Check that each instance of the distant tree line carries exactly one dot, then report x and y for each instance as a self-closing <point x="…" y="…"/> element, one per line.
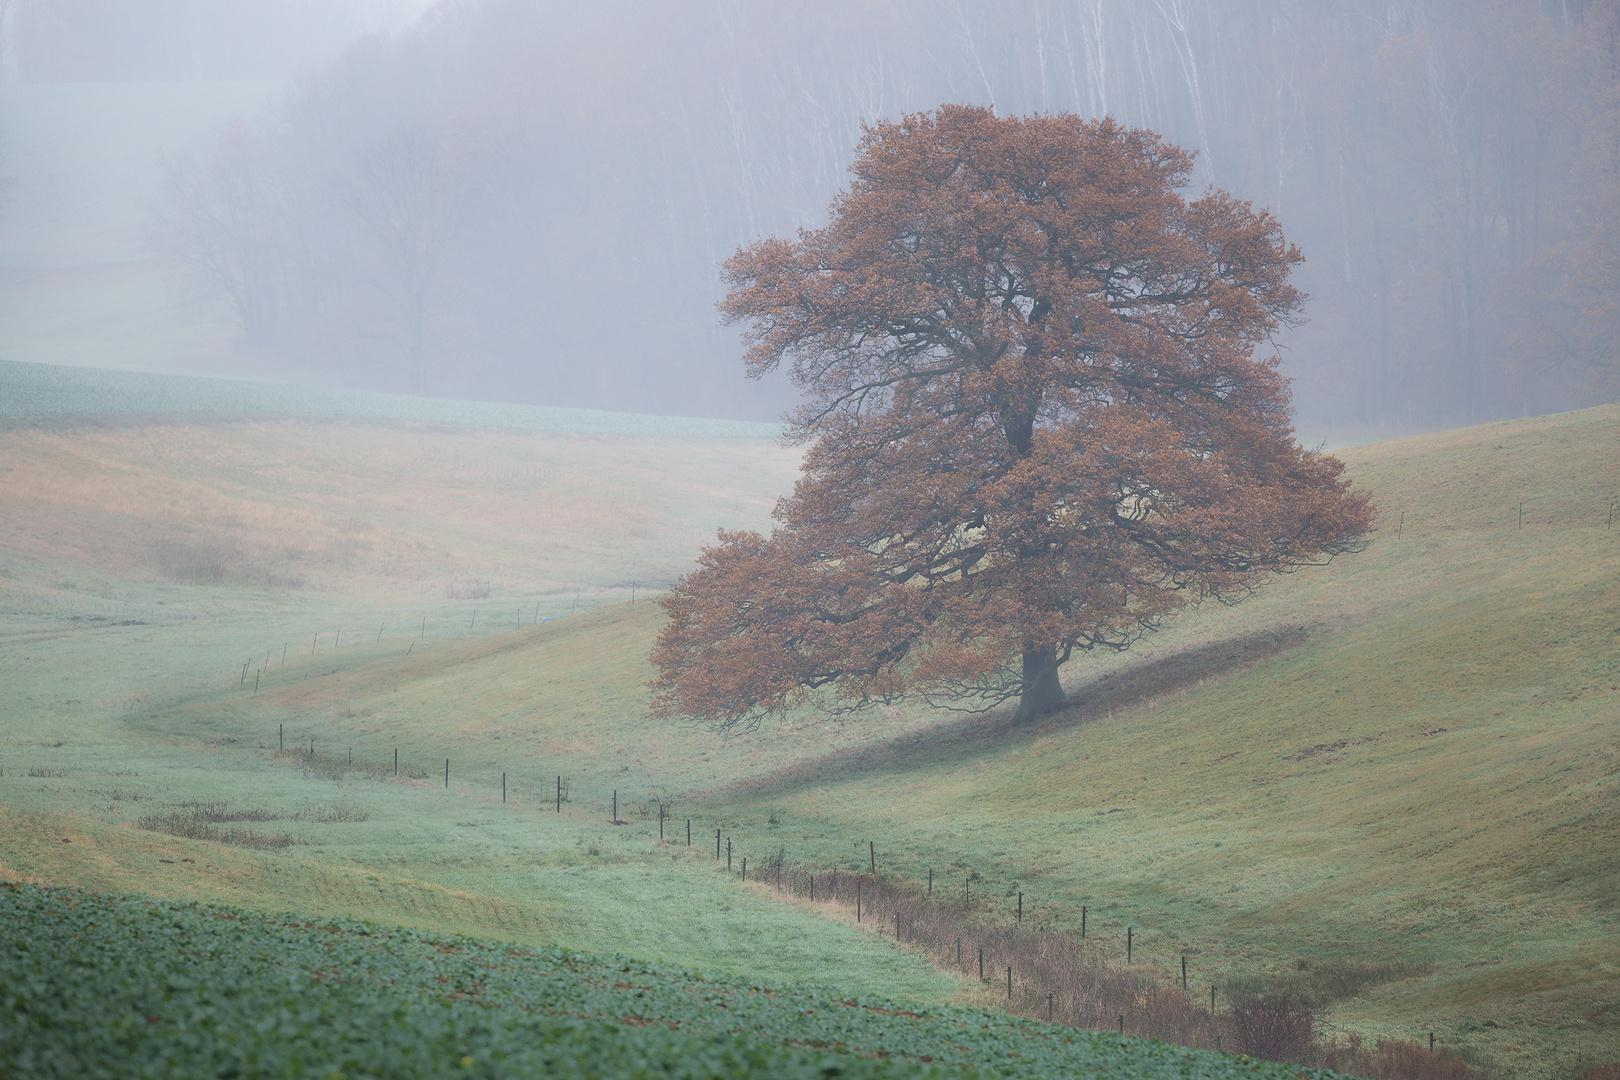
<point x="535" y="200"/>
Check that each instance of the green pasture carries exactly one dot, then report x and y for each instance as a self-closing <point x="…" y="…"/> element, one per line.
<point x="1388" y="783"/>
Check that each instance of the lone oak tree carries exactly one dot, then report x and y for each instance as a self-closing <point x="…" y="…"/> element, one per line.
<point x="1035" y="417"/>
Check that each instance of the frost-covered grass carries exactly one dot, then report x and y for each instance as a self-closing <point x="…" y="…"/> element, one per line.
<point x="1402" y="759"/>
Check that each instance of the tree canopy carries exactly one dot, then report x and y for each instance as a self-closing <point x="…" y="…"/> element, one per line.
<point x="1037" y="424"/>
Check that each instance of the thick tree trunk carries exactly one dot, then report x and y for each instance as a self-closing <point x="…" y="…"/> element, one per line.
<point x="1042" y="694"/>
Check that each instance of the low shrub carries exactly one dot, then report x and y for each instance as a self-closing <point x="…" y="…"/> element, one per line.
<point x="1277" y="1027"/>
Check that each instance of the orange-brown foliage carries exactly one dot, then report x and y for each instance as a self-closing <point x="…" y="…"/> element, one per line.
<point x="1038" y="424"/>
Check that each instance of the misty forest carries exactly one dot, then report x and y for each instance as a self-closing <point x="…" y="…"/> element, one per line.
<point x="528" y="198"/>
<point x="809" y="538"/>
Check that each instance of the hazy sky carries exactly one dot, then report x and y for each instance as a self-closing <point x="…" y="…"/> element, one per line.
<point x="130" y="40"/>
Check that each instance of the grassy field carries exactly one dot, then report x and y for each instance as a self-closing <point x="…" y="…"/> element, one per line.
<point x="145" y="563"/>
<point x="1409" y="756"/>
<point x="1402" y="765"/>
<point x="311" y="507"/>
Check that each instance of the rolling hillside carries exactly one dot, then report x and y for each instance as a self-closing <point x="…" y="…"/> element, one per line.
<point x="1402" y="765"/>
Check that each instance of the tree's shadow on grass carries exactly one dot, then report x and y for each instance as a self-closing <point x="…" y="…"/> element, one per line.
<point x="966" y="736"/>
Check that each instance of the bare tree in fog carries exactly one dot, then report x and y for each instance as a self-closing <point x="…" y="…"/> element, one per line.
<point x="224" y="222"/>
<point x="406" y="194"/>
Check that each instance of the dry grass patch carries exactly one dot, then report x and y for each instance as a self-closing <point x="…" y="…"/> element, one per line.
<point x="357" y="506"/>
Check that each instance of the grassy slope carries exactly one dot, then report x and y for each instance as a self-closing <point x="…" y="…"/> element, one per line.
<point x="371" y="511"/>
<point x="136" y="565"/>
<point x="1283" y="786"/>
<point x="1424" y="769"/>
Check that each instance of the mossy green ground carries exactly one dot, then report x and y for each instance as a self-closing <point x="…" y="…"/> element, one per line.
<point x="1406" y="757"/>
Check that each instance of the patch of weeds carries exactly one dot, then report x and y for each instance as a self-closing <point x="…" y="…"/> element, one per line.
<point x="323" y="767"/>
<point x="215" y="823"/>
<point x="118" y="794"/>
<point x="328" y="815"/>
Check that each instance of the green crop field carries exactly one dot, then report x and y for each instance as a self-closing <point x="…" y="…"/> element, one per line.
<point x="1387" y="785"/>
<point x="184" y="989"/>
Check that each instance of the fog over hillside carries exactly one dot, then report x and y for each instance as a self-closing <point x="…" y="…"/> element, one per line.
<point x="516" y="199"/>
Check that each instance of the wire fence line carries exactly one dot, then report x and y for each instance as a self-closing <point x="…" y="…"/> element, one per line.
<point x="1034" y="971"/>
